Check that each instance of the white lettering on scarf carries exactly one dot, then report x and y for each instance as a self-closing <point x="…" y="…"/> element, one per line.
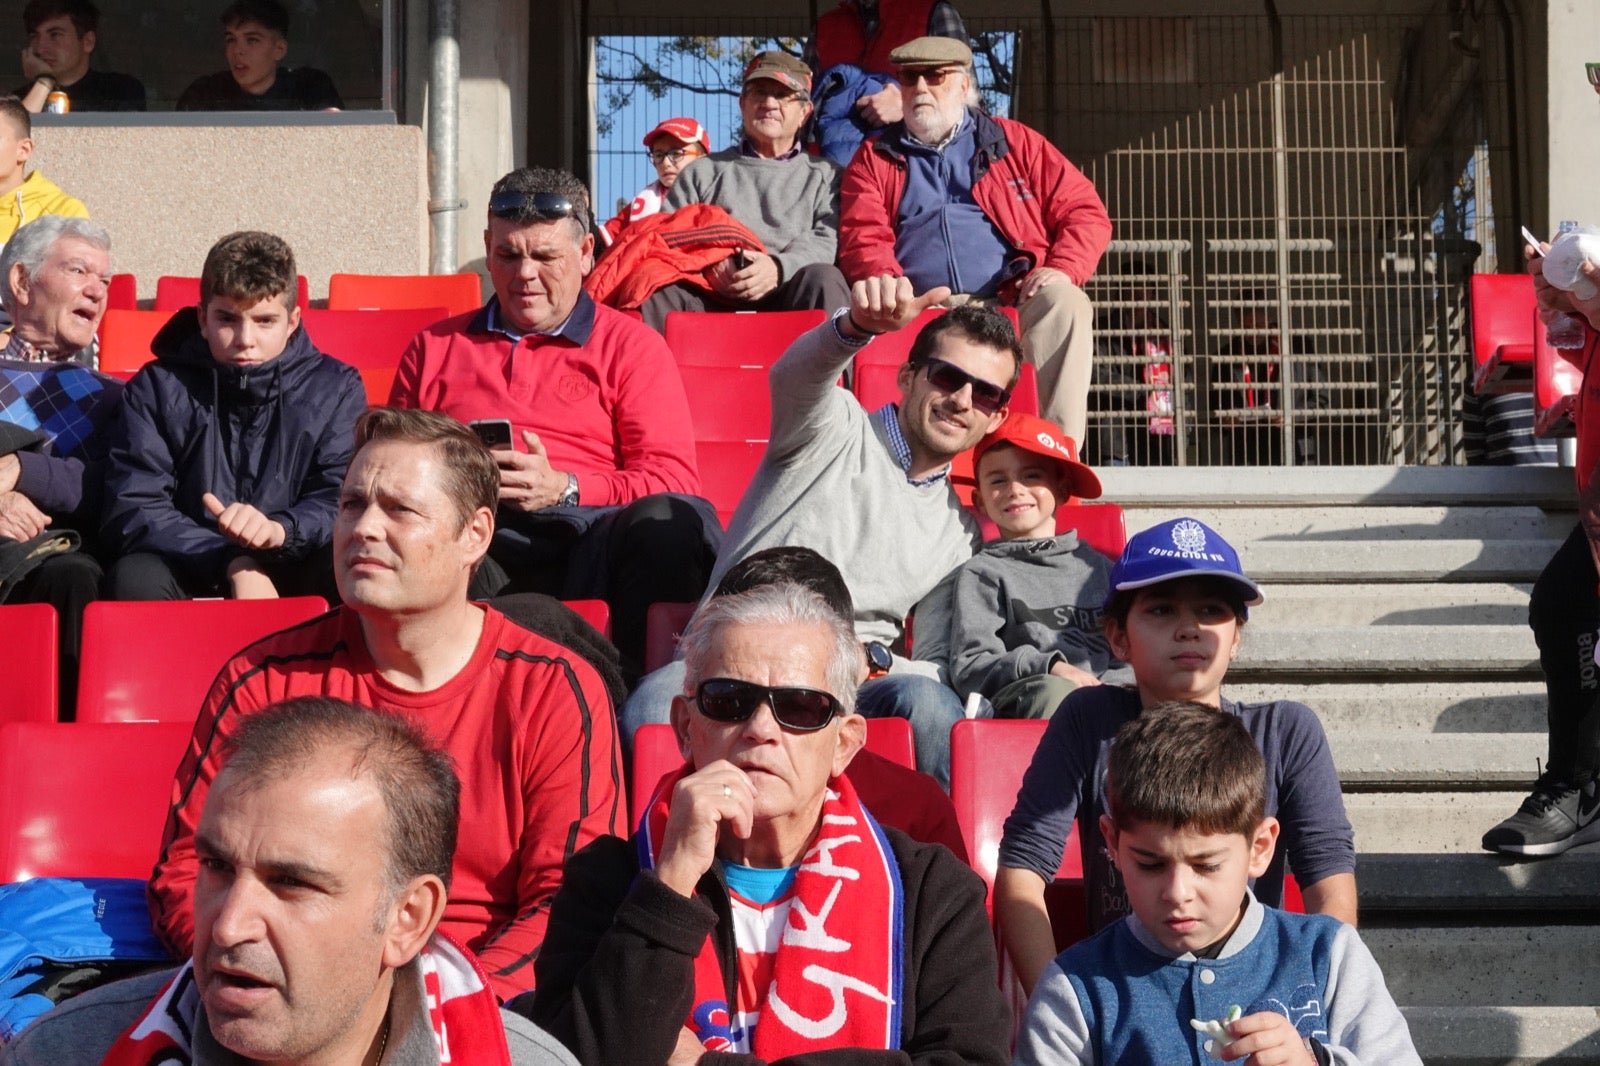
<point x="835" y="983"/>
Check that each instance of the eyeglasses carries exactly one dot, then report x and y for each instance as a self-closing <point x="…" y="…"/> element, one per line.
<point x="909" y="77"/>
<point x="947" y="377"/>
<point x="782" y="96"/>
<point x="799" y="710"/>
<point x="676" y="155"/>
<point x="536" y="206"/>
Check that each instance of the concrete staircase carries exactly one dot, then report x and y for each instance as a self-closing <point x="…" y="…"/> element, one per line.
<point x="1396" y="607"/>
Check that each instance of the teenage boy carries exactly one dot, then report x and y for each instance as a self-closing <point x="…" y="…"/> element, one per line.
<point x="225" y="471"/>
<point x="1024" y="614"/>
<point x="1178" y="602"/>
<point x="1201" y="970"/>
<point x="62" y="35"/>
<point x="25" y="195"/>
<point x="671" y="146"/>
<point x="255" y="38"/>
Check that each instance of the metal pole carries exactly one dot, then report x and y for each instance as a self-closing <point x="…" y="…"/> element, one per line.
<point x="444" y="81"/>
<point x="1280" y="192"/>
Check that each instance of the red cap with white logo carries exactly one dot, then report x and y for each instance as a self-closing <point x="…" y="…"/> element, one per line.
<point x="686" y="130"/>
<point x="1042" y="437"/>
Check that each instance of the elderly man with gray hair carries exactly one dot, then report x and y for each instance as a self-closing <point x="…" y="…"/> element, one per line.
<point x="761" y="911"/>
<point x="52" y="439"/>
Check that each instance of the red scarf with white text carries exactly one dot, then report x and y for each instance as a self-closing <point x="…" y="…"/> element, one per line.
<point x="462" y="1010"/>
<point x="838" y="973"/>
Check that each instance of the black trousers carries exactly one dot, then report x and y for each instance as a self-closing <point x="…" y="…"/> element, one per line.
<point x="659" y="548"/>
<point x="1564" y="612"/>
<point x="819" y="285"/>
<point x="69" y="583"/>
<point x="148" y="576"/>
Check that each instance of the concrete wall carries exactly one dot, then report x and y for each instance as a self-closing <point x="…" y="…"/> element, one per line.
<point x="1573" y="118"/>
<point x="347" y="198"/>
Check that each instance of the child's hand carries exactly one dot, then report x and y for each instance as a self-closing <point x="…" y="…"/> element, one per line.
<point x="1081" y="678"/>
<point x="244" y="525"/>
<point x="1267" y="1038"/>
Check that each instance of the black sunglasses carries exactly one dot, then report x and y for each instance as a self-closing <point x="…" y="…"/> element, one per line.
<point x="541" y="206"/>
<point x="799" y="710"/>
<point x="947" y="377"/>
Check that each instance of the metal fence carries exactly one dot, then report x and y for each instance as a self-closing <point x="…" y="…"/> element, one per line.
<point x="1296" y="210"/>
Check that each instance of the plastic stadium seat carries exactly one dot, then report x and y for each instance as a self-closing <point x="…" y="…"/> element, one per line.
<point x="378" y="381"/>
<point x="728" y="403"/>
<point x="456" y="293"/>
<point x="174" y="293"/>
<point x="125" y="338"/>
<point x="726" y="468"/>
<point x="1556" y="381"/>
<point x="710" y="338"/>
<point x="1504" y="319"/>
<point x="655" y="754"/>
<point x="28" y="634"/>
<point x="155" y="661"/>
<point x="122" y="293"/>
<point x="663" y="625"/>
<point x="82" y="800"/>
<point x="596" y="612"/>
<point x="368" y="339"/>
<point x="988" y="757"/>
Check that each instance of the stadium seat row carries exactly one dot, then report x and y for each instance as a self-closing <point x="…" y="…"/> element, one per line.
<point x="1510" y="353"/>
<point x="457" y="293"/>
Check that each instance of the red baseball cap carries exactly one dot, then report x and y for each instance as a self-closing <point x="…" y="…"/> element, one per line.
<point x="686" y="130"/>
<point x="1042" y="437"/>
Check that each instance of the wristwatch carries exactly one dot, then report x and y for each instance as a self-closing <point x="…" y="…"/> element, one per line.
<point x="878" y="658"/>
<point x="569" y="498"/>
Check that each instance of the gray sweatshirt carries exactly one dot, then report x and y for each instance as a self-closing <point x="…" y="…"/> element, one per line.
<point x="1016" y="609"/>
<point x="828" y="481"/>
<point x="791" y="204"/>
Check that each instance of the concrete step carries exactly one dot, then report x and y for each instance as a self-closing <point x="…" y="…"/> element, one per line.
<point x="1366" y="603"/>
<point x="1451" y="706"/>
<point x="1504" y="1036"/>
<point x="1338" y="486"/>
<point x="1532" y="966"/>
<point x="1317" y="524"/>
<point x="1383" y="762"/>
<point x="1457" y="560"/>
<point x="1397" y="888"/>
<point x="1388" y="652"/>
<point x="1423" y="823"/>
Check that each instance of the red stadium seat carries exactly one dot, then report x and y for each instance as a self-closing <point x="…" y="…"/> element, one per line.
<point x="732" y="414"/>
<point x="1556" y="381"/>
<point x="456" y="293"/>
<point x="378" y="381"/>
<point x="726" y="468"/>
<point x="125" y="338"/>
<point x="82" y="800"/>
<point x="122" y="293"/>
<point x="28" y="634"/>
<point x="701" y="338"/>
<point x="890" y="738"/>
<point x="1504" y="319"/>
<point x="155" y="661"/>
<point x="174" y="293"/>
<point x="596" y="612"/>
<point x="368" y="339"/>
<point x="663" y="625"/>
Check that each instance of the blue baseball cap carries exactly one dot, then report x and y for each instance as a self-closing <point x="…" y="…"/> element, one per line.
<point x="1183" y="547"/>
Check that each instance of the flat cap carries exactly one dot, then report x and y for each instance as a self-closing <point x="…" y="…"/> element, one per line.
<point x="780" y="67"/>
<point x="932" y="52"/>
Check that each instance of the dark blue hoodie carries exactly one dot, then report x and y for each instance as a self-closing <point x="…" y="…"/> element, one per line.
<point x="278" y="436"/>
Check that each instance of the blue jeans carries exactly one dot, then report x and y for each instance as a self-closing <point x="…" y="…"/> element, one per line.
<point x="649" y="702"/>
<point x="930" y="707"/>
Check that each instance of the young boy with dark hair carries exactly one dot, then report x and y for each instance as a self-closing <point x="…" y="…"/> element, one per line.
<point x="225" y="471"/>
<point x="1201" y="970"/>
<point x="255" y="38"/>
<point x="1024" y="616"/>
<point x="62" y="36"/>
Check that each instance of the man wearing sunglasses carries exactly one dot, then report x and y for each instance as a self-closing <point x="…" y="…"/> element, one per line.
<point x="599" y="492"/>
<point x="761" y="911"/>
<point x="986" y="207"/>
<point x="768" y="183"/>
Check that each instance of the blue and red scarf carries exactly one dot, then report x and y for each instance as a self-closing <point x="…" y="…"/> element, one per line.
<point x="838" y="976"/>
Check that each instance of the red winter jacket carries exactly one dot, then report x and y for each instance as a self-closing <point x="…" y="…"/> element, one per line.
<point x="661" y="249"/>
<point x="841" y="36"/>
<point x="1043" y="205"/>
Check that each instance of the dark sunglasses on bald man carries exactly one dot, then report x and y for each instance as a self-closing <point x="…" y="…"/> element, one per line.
<point x="799" y="710"/>
<point x="535" y="206"/>
<point x="907" y="76"/>
<point x="947" y="377"/>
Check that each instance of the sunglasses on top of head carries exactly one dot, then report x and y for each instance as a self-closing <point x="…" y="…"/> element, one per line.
<point x="536" y="207"/>
<point x="947" y="377"/>
<point x="799" y="710"/>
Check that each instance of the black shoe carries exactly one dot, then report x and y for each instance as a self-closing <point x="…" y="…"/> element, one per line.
<point x="1555" y="816"/>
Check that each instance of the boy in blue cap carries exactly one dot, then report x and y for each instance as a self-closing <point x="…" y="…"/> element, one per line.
<point x="1177" y="604"/>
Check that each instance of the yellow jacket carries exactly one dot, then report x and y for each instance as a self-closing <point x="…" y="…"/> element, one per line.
<point x="37" y="195"/>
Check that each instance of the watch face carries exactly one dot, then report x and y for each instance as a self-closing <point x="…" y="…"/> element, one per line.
<point x="878" y="657"/>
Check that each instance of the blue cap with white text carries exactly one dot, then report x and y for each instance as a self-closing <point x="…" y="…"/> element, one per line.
<point x="1183" y="547"/>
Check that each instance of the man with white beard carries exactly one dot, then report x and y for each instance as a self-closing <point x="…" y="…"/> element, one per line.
<point x="986" y="206"/>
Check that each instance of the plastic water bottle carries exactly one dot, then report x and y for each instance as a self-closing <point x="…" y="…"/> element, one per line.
<point x="1566" y="331"/>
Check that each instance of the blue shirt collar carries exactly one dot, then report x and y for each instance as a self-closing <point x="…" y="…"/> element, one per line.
<point x="578" y="327"/>
<point x="901" y="450"/>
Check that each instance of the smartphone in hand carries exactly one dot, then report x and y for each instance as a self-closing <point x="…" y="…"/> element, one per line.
<point x="494" y="432"/>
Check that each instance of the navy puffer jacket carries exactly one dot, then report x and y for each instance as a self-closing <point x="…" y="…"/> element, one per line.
<point x="277" y="436"/>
